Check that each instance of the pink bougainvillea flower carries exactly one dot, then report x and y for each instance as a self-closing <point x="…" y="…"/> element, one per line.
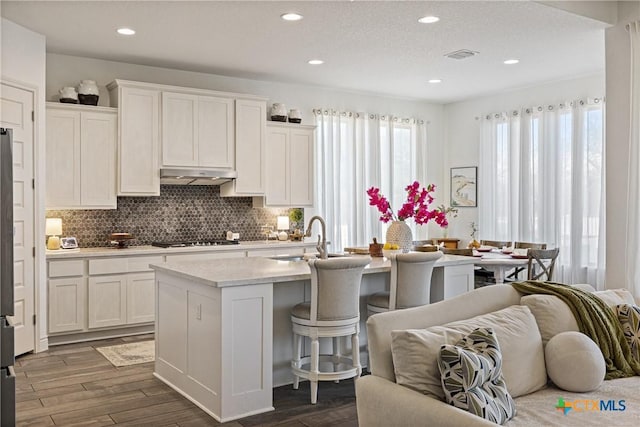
<point x="416" y="205"/>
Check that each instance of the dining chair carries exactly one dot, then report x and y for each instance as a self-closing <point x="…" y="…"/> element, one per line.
<point x="541" y="263"/>
<point x="528" y="245"/>
<point x="333" y="312"/>
<point x="409" y="282"/>
<point x="495" y="243"/>
<point x="523" y="245"/>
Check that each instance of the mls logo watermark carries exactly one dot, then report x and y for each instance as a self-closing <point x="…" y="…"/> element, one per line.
<point x="586" y="405"/>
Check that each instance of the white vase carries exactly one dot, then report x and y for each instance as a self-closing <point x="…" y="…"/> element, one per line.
<point x="400" y="234"/>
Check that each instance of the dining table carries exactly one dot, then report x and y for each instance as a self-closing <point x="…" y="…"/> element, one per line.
<point x="499" y="263"/>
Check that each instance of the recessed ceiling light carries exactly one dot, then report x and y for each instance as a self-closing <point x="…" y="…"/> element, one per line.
<point x="428" y="19"/>
<point x="126" y="31"/>
<point x="435" y="81"/>
<point x="511" y="61"/>
<point x="316" y="61"/>
<point x="291" y="16"/>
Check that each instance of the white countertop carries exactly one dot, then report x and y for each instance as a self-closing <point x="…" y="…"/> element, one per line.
<point x="249" y="271"/>
<point x="153" y="250"/>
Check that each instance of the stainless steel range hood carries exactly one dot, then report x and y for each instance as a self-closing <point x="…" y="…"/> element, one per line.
<point x="196" y="176"/>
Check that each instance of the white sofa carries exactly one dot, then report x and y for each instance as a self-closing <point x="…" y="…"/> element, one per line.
<point x="382" y="402"/>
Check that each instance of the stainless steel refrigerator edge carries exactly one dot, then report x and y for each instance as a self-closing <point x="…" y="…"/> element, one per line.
<point x="7" y="358"/>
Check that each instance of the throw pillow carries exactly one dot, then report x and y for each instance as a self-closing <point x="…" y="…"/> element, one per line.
<point x="574" y="362"/>
<point x="471" y="375"/>
<point x="554" y="316"/>
<point x="415" y="351"/>
<point x="629" y="317"/>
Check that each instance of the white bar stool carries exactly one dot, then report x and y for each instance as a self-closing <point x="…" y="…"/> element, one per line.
<point x="409" y="285"/>
<point x="334" y="311"/>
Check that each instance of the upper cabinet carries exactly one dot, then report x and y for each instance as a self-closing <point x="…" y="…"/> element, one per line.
<point x="138" y="168"/>
<point x="81" y="155"/>
<point x="249" y="150"/>
<point x="289" y="165"/>
<point x="197" y="131"/>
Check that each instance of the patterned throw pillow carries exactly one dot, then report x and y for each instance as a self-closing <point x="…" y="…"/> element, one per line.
<point x="629" y="317"/>
<point x="471" y="375"/>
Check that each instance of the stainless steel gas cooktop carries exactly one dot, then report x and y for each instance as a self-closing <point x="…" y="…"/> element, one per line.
<point x="196" y="243"/>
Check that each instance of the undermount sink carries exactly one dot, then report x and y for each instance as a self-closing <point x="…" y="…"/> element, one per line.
<point x="305" y="257"/>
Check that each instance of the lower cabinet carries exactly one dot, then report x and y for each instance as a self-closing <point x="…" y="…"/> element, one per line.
<point x="67" y="304"/>
<point x="140" y="298"/>
<point x="107" y="301"/>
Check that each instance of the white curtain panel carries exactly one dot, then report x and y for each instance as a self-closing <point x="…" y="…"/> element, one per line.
<point x="356" y="151"/>
<point x="633" y="206"/>
<point x="542" y="180"/>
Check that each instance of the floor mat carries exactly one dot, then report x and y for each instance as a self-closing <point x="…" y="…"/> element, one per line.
<point x="129" y="354"/>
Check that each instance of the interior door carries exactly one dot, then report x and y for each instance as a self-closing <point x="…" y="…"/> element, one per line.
<point x="17" y="110"/>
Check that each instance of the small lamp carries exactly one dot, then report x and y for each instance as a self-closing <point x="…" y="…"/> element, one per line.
<point x="53" y="229"/>
<point x="283" y="225"/>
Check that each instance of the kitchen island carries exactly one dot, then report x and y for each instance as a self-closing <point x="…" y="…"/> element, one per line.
<point x="223" y="329"/>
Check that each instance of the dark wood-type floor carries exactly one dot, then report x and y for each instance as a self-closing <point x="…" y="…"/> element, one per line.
<point x="74" y="385"/>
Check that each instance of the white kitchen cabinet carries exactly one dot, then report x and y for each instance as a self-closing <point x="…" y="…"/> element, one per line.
<point x="140" y="298"/>
<point x="249" y="150"/>
<point x="197" y="131"/>
<point x="289" y="165"/>
<point x="107" y="301"/>
<point x="81" y="153"/>
<point x="138" y="170"/>
<point x="67" y="303"/>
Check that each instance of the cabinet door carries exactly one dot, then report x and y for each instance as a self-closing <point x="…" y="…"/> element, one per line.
<point x="67" y="302"/>
<point x="179" y="129"/>
<point x="301" y="154"/>
<point x="140" y="298"/>
<point x="250" y="139"/>
<point x="98" y="160"/>
<point x="107" y="301"/>
<point x="63" y="159"/>
<point x="138" y="150"/>
<point x="277" y="167"/>
<point x="216" y="133"/>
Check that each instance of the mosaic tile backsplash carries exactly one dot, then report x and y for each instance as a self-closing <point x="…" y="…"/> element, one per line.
<point x="180" y="213"/>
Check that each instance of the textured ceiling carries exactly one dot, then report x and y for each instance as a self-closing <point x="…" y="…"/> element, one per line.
<point x="375" y="47"/>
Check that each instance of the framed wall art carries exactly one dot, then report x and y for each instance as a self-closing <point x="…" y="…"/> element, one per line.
<point x="464" y="189"/>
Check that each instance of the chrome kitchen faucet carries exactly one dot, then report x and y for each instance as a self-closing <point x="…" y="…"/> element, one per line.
<point x="322" y="239"/>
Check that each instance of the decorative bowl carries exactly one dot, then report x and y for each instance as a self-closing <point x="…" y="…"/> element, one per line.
<point x="120" y="239"/>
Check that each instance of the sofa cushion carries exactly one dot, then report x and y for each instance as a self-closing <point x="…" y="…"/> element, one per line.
<point x="554" y="316"/>
<point x="415" y="351"/>
<point x="471" y="375"/>
<point x="574" y="362"/>
<point x="629" y="317"/>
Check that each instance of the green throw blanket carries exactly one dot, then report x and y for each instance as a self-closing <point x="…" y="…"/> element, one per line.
<point x="596" y="320"/>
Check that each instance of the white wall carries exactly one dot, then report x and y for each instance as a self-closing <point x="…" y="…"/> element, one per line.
<point x="618" y="53"/>
<point x="462" y="131"/>
<point x="23" y="62"/>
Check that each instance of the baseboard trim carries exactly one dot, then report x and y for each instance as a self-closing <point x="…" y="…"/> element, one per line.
<point x="99" y="335"/>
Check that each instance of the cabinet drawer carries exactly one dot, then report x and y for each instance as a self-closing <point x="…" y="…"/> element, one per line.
<point x="142" y="263"/>
<point x="66" y="268"/>
<point x="108" y="266"/>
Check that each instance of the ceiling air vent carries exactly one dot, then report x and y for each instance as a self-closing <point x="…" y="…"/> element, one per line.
<point x="461" y="54"/>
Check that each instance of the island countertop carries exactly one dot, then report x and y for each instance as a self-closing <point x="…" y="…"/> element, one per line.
<point x="250" y="271"/>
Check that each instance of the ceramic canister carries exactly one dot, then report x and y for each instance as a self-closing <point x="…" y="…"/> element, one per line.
<point x="295" y="116"/>
<point x="278" y="112"/>
<point x="88" y="87"/>
<point x="88" y="93"/>
<point x="68" y="95"/>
